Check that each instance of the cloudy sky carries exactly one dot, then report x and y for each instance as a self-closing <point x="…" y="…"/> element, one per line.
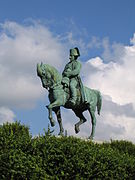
<point x="45" y="30"/>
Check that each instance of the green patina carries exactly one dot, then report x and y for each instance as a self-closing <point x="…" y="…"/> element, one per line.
<point x="68" y="91"/>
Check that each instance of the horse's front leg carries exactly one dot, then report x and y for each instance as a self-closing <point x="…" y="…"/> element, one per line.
<point x="51" y="117"/>
<point x="49" y="107"/>
<point x="58" y="114"/>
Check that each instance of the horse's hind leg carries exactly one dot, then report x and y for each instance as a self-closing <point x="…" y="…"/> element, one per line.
<point x="50" y="117"/>
<point x="93" y="119"/>
<point x="58" y="114"/>
<point x="82" y="120"/>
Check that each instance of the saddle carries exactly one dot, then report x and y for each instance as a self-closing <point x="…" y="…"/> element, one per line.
<point x="65" y="82"/>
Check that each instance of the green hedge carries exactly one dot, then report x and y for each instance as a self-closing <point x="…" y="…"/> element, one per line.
<point x="50" y="157"/>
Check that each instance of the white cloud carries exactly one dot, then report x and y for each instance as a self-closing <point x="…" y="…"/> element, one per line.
<point x="6" y="115"/>
<point x="132" y="40"/>
<point x="113" y="78"/>
<point x="94" y="43"/>
<point x="110" y="126"/>
<point x="72" y="40"/>
<point x="21" y="47"/>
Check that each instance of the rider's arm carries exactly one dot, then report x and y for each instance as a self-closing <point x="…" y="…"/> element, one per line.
<point x="75" y="71"/>
<point x="66" y="69"/>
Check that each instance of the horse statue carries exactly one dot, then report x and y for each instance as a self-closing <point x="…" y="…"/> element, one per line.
<point x="59" y="96"/>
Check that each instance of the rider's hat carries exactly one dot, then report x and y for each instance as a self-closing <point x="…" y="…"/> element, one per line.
<point x="75" y="52"/>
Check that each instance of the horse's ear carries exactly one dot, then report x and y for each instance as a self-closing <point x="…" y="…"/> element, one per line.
<point x="39" y="70"/>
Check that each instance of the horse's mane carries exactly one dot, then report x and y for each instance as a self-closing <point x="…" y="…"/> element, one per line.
<point x="55" y="75"/>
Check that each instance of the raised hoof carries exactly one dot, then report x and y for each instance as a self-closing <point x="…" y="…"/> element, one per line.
<point x="77" y="129"/>
<point x="71" y="102"/>
<point x="52" y="123"/>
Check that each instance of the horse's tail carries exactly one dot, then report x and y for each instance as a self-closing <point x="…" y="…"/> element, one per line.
<point x="99" y="102"/>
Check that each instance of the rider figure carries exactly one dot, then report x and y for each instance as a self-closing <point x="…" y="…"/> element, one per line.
<point x="71" y="74"/>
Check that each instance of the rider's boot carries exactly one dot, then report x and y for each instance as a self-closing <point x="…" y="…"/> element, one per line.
<point x="72" y="101"/>
<point x="73" y="98"/>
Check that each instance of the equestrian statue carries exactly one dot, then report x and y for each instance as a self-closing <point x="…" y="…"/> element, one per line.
<point x="68" y="91"/>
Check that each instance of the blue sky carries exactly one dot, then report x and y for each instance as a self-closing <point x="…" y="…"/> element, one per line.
<point x="114" y="19"/>
<point x="104" y="32"/>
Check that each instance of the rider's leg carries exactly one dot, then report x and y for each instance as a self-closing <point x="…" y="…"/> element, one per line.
<point x="73" y="84"/>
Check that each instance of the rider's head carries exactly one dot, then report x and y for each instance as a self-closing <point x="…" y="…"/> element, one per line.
<point x="74" y="54"/>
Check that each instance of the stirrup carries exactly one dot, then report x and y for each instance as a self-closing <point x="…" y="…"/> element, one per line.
<point x="72" y="101"/>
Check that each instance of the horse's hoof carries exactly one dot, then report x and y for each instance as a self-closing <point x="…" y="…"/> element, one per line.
<point x="77" y="129"/>
<point x="52" y="123"/>
<point x="60" y="134"/>
<point x="90" y="138"/>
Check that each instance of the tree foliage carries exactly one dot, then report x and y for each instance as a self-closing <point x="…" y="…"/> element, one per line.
<point x="50" y="157"/>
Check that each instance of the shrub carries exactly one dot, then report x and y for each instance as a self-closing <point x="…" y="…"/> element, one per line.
<point x="50" y="157"/>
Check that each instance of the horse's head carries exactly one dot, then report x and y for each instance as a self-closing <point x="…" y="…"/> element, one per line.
<point x="49" y="75"/>
<point x="45" y="76"/>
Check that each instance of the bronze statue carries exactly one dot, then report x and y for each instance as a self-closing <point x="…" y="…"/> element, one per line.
<point x="68" y="91"/>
